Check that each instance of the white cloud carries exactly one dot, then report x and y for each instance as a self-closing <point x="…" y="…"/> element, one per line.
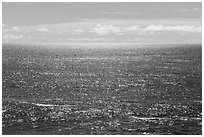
<point x="42" y="29"/>
<point x="12" y="36"/>
<point x="118" y="12"/>
<point x="77" y="31"/>
<point x="133" y="28"/>
<point x="29" y="37"/>
<point x="4" y="25"/>
<point x="15" y="28"/>
<point x="106" y="29"/>
<point x="154" y="28"/>
<point x="121" y="13"/>
<point x="197" y="9"/>
<point x="185" y="28"/>
<point x="89" y="39"/>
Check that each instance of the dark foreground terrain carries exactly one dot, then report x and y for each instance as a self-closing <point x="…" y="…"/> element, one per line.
<point x="67" y="90"/>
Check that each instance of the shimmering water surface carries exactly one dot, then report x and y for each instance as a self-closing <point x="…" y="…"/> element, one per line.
<point x="77" y="90"/>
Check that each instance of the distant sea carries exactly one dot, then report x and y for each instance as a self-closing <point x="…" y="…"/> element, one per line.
<point x="100" y="89"/>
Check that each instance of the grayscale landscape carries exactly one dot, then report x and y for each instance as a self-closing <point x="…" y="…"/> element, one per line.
<point x="109" y="69"/>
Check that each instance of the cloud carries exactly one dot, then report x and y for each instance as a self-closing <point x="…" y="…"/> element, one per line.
<point x="154" y="28"/>
<point x="121" y="13"/>
<point x="185" y="28"/>
<point x="103" y="30"/>
<point x="89" y="39"/>
<point x="133" y="28"/>
<point x="12" y="36"/>
<point x="77" y="31"/>
<point x="4" y="25"/>
<point x="197" y="9"/>
<point x="42" y="29"/>
<point x="15" y="28"/>
<point x="106" y="29"/>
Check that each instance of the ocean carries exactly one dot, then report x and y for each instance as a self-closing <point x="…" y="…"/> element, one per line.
<point x="84" y="90"/>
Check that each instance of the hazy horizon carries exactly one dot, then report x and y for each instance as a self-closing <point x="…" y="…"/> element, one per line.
<point x="102" y="22"/>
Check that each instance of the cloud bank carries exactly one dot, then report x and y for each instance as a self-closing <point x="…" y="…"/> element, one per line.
<point x="185" y="28"/>
<point x="107" y="30"/>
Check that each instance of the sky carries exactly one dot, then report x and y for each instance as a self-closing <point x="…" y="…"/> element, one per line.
<point x="126" y="22"/>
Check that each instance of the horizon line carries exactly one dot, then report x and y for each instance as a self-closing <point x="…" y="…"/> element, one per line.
<point x="94" y="43"/>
